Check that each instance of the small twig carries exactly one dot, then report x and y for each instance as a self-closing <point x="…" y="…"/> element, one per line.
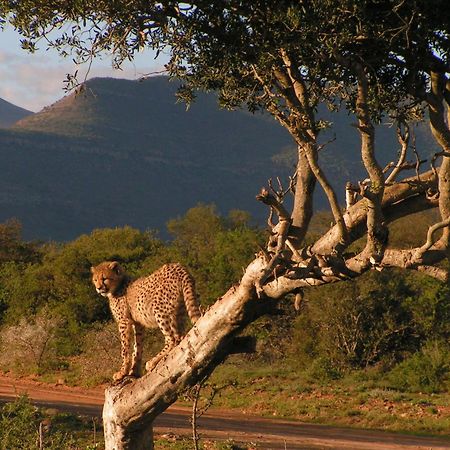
<point x="95" y="432"/>
<point x="149" y="74"/>
<point x="268" y="199"/>
<point x="41" y="436"/>
<point x="195" y="437"/>
<point x="418" y="160"/>
<point x="322" y="146"/>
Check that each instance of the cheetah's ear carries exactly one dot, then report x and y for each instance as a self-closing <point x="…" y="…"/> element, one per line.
<point x="92" y="269"/>
<point x="115" y="266"/>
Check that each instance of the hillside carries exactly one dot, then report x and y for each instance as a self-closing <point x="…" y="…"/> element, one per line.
<point x="124" y="152"/>
<point x="9" y="113"/>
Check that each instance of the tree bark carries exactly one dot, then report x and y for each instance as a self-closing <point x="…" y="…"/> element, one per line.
<point x="303" y="200"/>
<point x="394" y="196"/>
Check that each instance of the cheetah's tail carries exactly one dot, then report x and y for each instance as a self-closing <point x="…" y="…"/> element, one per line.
<point x="190" y="298"/>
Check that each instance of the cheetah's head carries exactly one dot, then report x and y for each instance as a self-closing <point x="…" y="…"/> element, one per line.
<point x="107" y="277"/>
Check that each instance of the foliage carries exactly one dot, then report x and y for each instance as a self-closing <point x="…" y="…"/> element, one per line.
<point x="226" y="44"/>
<point x="426" y="371"/>
<point x="29" y="345"/>
<point x="20" y="424"/>
<point x="61" y="280"/>
<point x="12" y="247"/>
<point x="215" y="249"/>
<point x="377" y="318"/>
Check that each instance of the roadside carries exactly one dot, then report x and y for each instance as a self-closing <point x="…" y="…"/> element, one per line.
<point x="223" y="424"/>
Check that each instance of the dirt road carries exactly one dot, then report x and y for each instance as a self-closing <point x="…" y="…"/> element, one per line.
<point x="267" y="433"/>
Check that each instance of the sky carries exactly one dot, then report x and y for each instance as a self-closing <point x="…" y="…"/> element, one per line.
<point x="33" y="81"/>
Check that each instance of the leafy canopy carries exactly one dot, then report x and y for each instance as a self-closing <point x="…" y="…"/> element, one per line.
<point x="242" y="48"/>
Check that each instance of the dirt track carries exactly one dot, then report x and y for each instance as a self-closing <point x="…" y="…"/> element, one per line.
<point x="267" y="433"/>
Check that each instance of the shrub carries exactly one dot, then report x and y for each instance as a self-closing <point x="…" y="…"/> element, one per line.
<point x="29" y="346"/>
<point x="323" y="370"/>
<point x="425" y="371"/>
<point x="379" y="317"/>
<point x="22" y="427"/>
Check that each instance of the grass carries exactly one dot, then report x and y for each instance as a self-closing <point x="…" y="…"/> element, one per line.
<point x="21" y="422"/>
<point x="360" y="399"/>
<point x="351" y="401"/>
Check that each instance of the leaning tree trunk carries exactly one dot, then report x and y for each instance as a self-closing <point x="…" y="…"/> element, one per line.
<point x="131" y="406"/>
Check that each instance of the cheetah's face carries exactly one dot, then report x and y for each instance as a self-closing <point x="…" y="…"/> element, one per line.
<point x="107" y="277"/>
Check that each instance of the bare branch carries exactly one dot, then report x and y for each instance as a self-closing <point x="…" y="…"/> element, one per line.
<point x="403" y="138"/>
<point x="376" y="233"/>
<point x="429" y="242"/>
<point x="311" y="155"/>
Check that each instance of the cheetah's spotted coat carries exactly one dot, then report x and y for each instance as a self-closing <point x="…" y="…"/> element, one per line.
<point x="152" y="301"/>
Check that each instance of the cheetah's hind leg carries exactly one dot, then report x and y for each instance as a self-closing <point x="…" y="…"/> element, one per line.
<point x="170" y="343"/>
<point x="167" y="323"/>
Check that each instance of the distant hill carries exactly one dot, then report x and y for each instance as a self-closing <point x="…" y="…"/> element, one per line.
<point x="124" y="152"/>
<point x="9" y="113"/>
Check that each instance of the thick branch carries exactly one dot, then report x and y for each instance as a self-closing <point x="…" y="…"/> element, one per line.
<point x="436" y="108"/>
<point x="376" y="233"/>
<point x="300" y="90"/>
<point x="310" y="151"/>
<point x="355" y="216"/>
<point x="303" y="199"/>
<point x="441" y="132"/>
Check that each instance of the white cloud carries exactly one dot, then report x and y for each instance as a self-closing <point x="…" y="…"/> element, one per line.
<point x="33" y="81"/>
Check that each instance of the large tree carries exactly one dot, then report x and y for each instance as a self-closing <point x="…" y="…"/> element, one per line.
<point x="380" y="59"/>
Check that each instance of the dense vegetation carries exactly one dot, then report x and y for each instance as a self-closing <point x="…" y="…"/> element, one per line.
<point x="52" y="322"/>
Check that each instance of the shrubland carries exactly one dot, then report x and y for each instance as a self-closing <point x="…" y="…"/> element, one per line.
<point x="383" y="337"/>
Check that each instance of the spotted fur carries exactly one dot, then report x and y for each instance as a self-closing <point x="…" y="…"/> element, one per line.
<point x="154" y="301"/>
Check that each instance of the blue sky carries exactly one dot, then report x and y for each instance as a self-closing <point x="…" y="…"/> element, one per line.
<point x="33" y="81"/>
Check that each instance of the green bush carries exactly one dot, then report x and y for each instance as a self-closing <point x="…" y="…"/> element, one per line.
<point x="323" y="370"/>
<point x="22" y="425"/>
<point x="378" y="317"/>
<point x="215" y="249"/>
<point x="425" y="371"/>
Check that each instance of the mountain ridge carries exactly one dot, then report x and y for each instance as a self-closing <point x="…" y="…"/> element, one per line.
<point x="10" y="113"/>
<point x="126" y="153"/>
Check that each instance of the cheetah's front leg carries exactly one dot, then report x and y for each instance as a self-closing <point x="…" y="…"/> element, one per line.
<point x="125" y="337"/>
<point x="137" y="350"/>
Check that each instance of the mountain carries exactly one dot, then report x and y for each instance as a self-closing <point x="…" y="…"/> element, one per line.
<point x="9" y="113"/>
<point x="124" y="152"/>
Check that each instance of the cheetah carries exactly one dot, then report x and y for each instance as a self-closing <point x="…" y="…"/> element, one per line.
<point x="152" y="301"/>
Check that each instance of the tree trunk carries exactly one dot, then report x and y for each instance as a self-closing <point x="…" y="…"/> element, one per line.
<point x="117" y="435"/>
<point x="303" y="200"/>
<point x="132" y="405"/>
